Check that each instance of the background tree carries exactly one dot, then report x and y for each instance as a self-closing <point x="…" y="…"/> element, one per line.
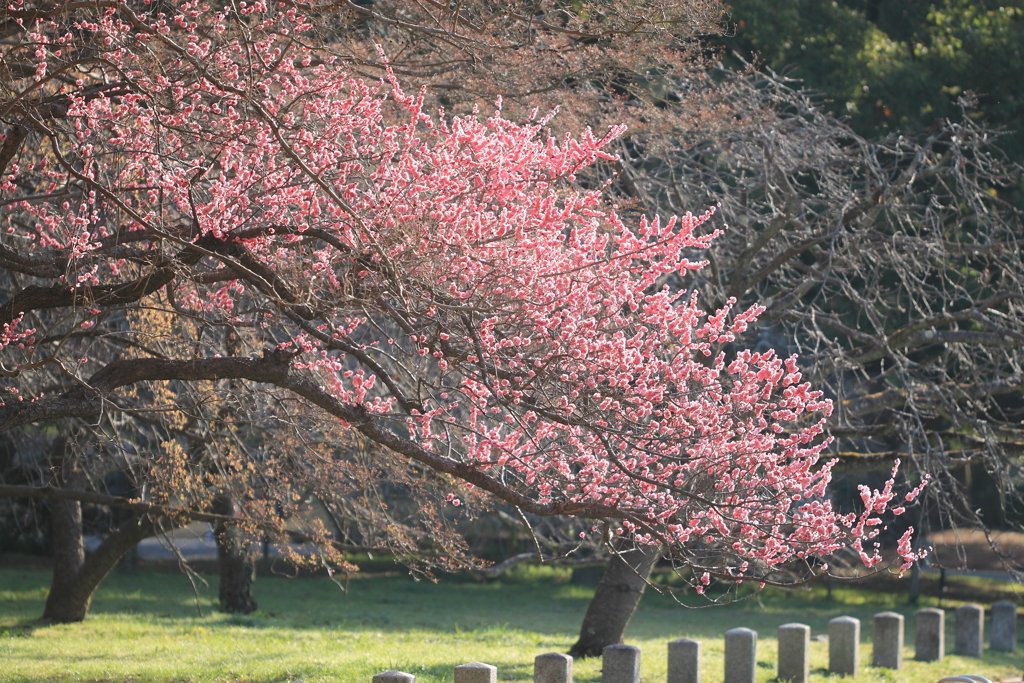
<point x="891" y="266"/>
<point x="894" y="66"/>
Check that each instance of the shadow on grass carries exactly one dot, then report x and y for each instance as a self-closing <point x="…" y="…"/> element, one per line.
<point x="385" y="604"/>
<point x="23" y="628"/>
<point x="400" y="604"/>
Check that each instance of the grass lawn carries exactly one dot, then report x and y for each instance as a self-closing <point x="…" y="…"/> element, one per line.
<point x="146" y="628"/>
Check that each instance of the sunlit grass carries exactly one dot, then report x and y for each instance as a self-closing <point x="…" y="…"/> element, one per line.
<point x="146" y="628"/>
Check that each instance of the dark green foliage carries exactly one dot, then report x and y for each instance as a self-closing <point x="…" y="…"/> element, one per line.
<point x="895" y="64"/>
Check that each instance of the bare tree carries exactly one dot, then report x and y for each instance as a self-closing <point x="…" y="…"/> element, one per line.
<point x="892" y="267"/>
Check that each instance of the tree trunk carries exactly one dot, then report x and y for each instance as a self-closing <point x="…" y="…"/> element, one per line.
<point x="237" y="557"/>
<point x="68" y="559"/>
<point x="914" y="593"/>
<point x="617" y="596"/>
<point x="66" y="538"/>
<point x="75" y="575"/>
<point x="71" y="591"/>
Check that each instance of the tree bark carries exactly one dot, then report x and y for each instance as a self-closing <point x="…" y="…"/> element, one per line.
<point x="237" y="557"/>
<point x="617" y="596"/>
<point x="65" y="537"/>
<point x="68" y="560"/>
<point x="71" y="591"/>
<point x="76" y="575"/>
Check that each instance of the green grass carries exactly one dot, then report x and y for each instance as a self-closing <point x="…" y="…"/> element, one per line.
<point x="146" y="628"/>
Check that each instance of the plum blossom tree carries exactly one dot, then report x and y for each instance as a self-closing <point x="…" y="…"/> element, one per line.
<point x="319" y="247"/>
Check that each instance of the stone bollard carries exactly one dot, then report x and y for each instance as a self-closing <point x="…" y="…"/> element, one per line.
<point x="476" y="672"/>
<point x="393" y="677"/>
<point x="930" y="635"/>
<point x="887" y="641"/>
<point x="554" y="667"/>
<point x="794" y="652"/>
<point x="970" y="630"/>
<point x="620" y="664"/>
<point x="740" y="656"/>
<point x="684" y="661"/>
<point x="1004" y="627"/>
<point x="844" y="646"/>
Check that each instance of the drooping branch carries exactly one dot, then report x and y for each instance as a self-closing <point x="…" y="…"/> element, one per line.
<point x="88" y="400"/>
<point x="370" y="426"/>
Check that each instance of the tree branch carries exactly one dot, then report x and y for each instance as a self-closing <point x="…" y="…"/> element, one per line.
<point x="169" y="511"/>
<point x="273" y="368"/>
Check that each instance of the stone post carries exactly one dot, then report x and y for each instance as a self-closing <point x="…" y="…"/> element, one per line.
<point x="476" y="672"/>
<point x="1004" y="627"/>
<point x="844" y="646"/>
<point x="684" y="661"/>
<point x="970" y="630"/>
<point x="554" y="667"/>
<point x="393" y="677"/>
<point x="794" y="652"/>
<point x="887" y="640"/>
<point x="930" y="635"/>
<point x="620" y="664"/>
<point x="741" y="656"/>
